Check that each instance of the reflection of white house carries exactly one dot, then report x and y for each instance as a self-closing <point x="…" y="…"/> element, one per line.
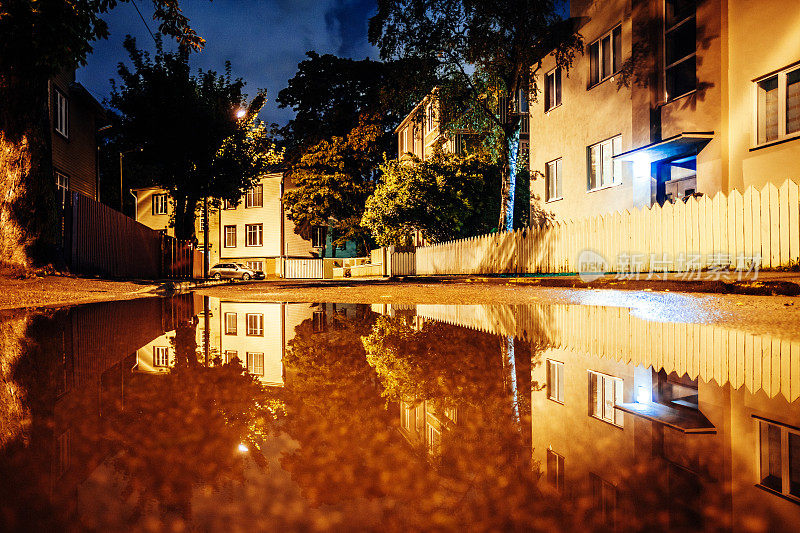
<point x="156" y="356"/>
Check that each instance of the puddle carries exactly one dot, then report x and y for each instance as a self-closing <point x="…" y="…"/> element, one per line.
<point x="205" y="414"/>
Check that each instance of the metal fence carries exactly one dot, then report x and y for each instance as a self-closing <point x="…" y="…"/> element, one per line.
<point x="740" y="231"/>
<point x="98" y="240"/>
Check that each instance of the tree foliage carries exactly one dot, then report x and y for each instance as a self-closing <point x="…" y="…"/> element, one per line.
<point x="446" y="197"/>
<point x="487" y="53"/>
<point x="188" y="130"/>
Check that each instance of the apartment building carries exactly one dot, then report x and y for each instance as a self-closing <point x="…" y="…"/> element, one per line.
<point x="670" y="98"/>
<point x="75" y="117"/>
<point x="255" y="232"/>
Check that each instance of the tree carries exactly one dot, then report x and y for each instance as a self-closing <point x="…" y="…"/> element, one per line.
<point x="488" y="53"/>
<point x="446" y="197"/>
<point x="188" y="130"/>
<point x="37" y="41"/>
<point x="345" y="115"/>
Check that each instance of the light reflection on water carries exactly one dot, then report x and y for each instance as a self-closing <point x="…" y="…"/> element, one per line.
<point x="206" y="414"/>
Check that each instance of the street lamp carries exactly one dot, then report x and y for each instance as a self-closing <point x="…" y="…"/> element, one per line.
<point x="240" y="113"/>
<point x="121" y="155"/>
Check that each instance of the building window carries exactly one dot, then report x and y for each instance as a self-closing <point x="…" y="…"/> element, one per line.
<point x="552" y="89"/>
<point x="604" y="393"/>
<point x="603" y="170"/>
<point x="255" y="325"/>
<point x="160" y="356"/>
<point x="552" y="180"/>
<point x="258" y="266"/>
<point x="61" y="114"/>
<point x="62" y="187"/>
<point x="555" y="381"/>
<point x="230" y="355"/>
<point x="680" y="48"/>
<point x="604" y="500"/>
<point x="779" y="459"/>
<point x="605" y="55"/>
<point x="230" y="236"/>
<point x="318" y="236"/>
<point x="64" y="445"/>
<point x="429" y="116"/>
<point x="778" y="116"/>
<point x="228" y="204"/>
<point x="255" y="363"/>
<point x="230" y="323"/>
<point x="406" y="417"/>
<point x="555" y="470"/>
<point x="434" y="439"/>
<point x="318" y="322"/>
<point x="160" y="203"/>
<point x="254" y="197"/>
<point x="254" y="234"/>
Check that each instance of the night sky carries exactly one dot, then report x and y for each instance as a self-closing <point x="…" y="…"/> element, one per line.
<point x="263" y="39"/>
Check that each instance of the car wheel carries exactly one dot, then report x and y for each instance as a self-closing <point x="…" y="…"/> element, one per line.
<point x="245" y="277"/>
<point x="217" y="276"/>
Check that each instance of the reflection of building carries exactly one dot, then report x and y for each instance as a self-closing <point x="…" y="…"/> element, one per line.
<point x="711" y="107"/>
<point x="422" y="424"/>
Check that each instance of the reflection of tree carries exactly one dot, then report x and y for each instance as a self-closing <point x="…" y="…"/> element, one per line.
<point x="348" y="445"/>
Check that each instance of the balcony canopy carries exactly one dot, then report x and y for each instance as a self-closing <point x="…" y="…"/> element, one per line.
<point x="679" y="145"/>
<point x="684" y="420"/>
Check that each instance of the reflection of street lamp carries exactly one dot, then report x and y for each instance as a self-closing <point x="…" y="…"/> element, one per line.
<point x="121" y="155"/>
<point x="240" y="113"/>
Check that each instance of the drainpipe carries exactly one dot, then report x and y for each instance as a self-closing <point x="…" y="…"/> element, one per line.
<point x="283" y="239"/>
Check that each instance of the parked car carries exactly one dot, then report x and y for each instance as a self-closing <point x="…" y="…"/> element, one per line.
<point x="232" y="271"/>
<point x="259" y="274"/>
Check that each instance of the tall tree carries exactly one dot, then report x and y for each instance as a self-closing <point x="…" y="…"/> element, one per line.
<point x="488" y="53"/>
<point x="37" y="41"/>
<point x="197" y="131"/>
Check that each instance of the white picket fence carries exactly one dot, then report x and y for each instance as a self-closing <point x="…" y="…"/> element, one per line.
<point x="301" y="268"/>
<point x="403" y="264"/>
<point x="740" y="231"/>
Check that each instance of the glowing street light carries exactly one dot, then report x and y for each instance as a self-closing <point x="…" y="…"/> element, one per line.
<point x="243" y="448"/>
<point x="240" y="113"/>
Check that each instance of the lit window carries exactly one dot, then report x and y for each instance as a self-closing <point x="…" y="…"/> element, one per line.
<point x="778" y="117"/>
<point x="680" y="48"/>
<point x="230" y="355"/>
<point x="779" y="461"/>
<point x="552" y="179"/>
<point x="255" y="363"/>
<point x="160" y="203"/>
<point x="160" y="356"/>
<point x="604" y="393"/>
<point x="552" y="89"/>
<point x="555" y="381"/>
<point x="255" y="325"/>
<point x="62" y="187"/>
<point x="555" y="470"/>
<point x="605" y="55"/>
<point x="61" y="114"/>
<point x="258" y="266"/>
<point x="254" y="197"/>
<point x="230" y="236"/>
<point x="603" y="170"/>
<point x="230" y="323"/>
<point x="254" y="234"/>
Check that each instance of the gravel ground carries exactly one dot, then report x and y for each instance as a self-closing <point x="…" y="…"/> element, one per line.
<point x="778" y="315"/>
<point x="61" y="290"/>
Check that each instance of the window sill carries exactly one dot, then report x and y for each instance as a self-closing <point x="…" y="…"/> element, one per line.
<point x="604" y="187"/>
<point x="787" y="497"/>
<point x="547" y="111"/>
<point x="601" y="82"/>
<point x="676" y="98"/>
<point x="253" y="206"/>
<point x="254" y="335"/>
<point x="253" y="245"/>
<point x="612" y="424"/>
<point x="555" y="401"/>
<point x="551" y="200"/>
<point x="63" y="137"/>
<point x="792" y="137"/>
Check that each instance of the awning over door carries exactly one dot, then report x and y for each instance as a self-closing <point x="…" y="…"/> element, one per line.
<point x="678" y="145"/>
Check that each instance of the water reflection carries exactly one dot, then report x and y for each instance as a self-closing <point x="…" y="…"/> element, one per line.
<point x="209" y="414"/>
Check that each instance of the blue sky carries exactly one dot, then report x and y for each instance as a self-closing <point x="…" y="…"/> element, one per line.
<point x="263" y="39"/>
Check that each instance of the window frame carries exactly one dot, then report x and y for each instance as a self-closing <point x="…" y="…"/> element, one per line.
<point x="558" y="397"/>
<point x="252" y="265"/>
<point x="316" y="235"/>
<point x="617" y="417"/>
<point x="225" y="236"/>
<point x="230" y="355"/>
<point x="158" y="352"/>
<point x="785" y="431"/>
<point x="250" y="197"/>
<point x="558" y="476"/>
<point x="615" y="180"/>
<point x="257" y="331"/>
<point x="227" y="205"/>
<point x="62" y="188"/>
<point x="558" y="92"/>
<point x="665" y="30"/>
<point x="61" y="113"/>
<point x="250" y="359"/>
<point x="160" y="204"/>
<point x="783" y="111"/>
<point x="616" y="63"/>
<point x="558" y="163"/>
<point x="260" y="233"/>
<point x="235" y="329"/>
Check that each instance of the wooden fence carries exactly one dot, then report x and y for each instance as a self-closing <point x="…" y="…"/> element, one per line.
<point x="742" y="231"/>
<point x="301" y="268"/>
<point x="403" y="264"/>
<point x="101" y="241"/>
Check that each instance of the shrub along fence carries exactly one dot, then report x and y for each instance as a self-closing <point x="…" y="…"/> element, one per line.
<point x="757" y="229"/>
<point x="102" y="241"/>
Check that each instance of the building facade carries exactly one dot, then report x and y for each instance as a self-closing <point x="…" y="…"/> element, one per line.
<point x="255" y="232"/>
<point x="669" y="99"/>
<point x="75" y="117"/>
